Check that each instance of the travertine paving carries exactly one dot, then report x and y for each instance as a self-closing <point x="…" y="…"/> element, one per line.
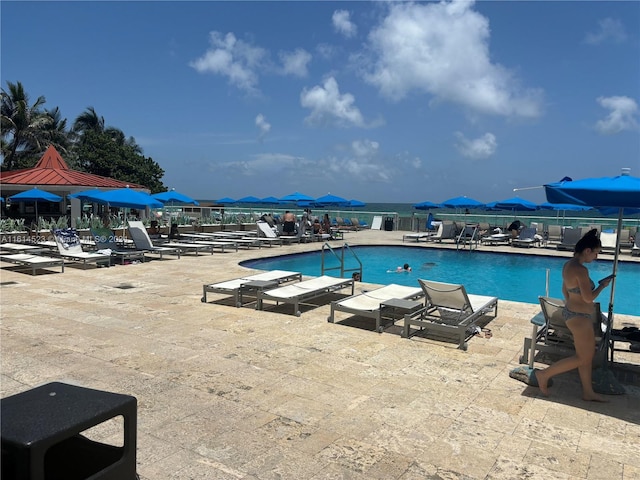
<point x="235" y="393"/>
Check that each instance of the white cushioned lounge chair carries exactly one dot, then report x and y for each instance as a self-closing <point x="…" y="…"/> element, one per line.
<point x="105" y="240"/>
<point x="70" y="249"/>
<point x="369" y="304"/>
<point x="303" y="291"/>
<point x="33" y="261"/>
<point x="236" y="286"/>
<point x="449" y="310"/>
<point x="142" y="241"/>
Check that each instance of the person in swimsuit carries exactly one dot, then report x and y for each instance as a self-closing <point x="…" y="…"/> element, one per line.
<point x="289" y="227"/>
<point x="579" y="313"/>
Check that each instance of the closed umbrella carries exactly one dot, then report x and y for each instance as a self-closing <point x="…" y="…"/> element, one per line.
<point x="35" y="195"/>
<point x="605" y="193"/>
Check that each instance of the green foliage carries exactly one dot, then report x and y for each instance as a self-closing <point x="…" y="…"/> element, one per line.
<point x="90" y="146"/>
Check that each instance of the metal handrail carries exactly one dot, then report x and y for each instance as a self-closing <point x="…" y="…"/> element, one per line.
<point x="340" y="258"/>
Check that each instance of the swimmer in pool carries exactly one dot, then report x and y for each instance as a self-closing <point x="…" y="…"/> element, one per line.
<point x="404" y="268"/>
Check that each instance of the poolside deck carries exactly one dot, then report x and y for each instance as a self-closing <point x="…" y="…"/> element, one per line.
<point x="235" y="393"/>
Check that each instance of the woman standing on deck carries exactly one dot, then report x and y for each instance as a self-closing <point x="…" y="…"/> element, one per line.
<point x="579" y="314"/>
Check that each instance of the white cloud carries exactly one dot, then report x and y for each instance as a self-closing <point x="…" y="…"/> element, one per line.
<point x="623" y="115"/>
<point x="478" y="148"/>
<point x="342" y="23"/>
<point x="263" y="126"/>
<point x="235" y="59"/>
<point x="295" y="63"/>
<point x="329" y="107"/>
<point x="443" y="49"/>
<point x="609" y="29"/>
<point x="362" y="160"/>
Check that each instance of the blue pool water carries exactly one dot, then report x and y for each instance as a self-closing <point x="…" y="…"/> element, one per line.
<point x="514" y="277"/>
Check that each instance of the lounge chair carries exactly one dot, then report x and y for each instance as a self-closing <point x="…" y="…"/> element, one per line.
<point x="371" y="304"/>
<point x="554" y="337"/>
<point x="238" y="286"/>
<point x="376" y="223"/>
<point x="570" y="237"/>
<point x="265" y="231"/>
<point x="105" y="240"/>
<point x="20" y="248"/>
<point x="554" y="233"/>
<point x="303" y="291"/>
<point x="608" y="240"/>
<point x="141" y="240"/>
<point x="635" y="250"/>
<point x="33" y="261"/>
<point x="447" y="232"/>
<point x="449" y="310"/>
<point x="625" y="239"/>
<point x="69" y="248"/>
<point x="526" y="238"/>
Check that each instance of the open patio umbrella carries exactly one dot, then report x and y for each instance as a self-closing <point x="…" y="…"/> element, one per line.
<point x="85" y="194"/>
<point x="605" y="193"/>
<point x="356" y="203"/>
<point x="330" y="200"/>
<point x="226" y="200"/>
<point x="426" y="205"/>
<point x="269" y="201"/>
<point x="126" y="198"/>
<point x="514" y="204"/>
<point x="172" y="197"/>
<point x="462" y="202"/>
<point x="35" y="195"/>
<point x="296" y="197"/>
<point x="562" y="207"/>
<point x="249" y="199"/>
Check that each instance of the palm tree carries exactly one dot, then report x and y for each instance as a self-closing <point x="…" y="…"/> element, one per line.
<point x="24" y="126"/>
<point x="57" y="133"/>
<point x="89" y="121"/>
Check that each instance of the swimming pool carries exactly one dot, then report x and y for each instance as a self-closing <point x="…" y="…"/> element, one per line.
<point x="520" y="278"/>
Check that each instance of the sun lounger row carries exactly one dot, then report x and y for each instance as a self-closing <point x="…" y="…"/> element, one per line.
<point x="447" y="309"/>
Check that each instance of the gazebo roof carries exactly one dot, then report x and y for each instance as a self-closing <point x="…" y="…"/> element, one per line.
<point x="52" y="170"/>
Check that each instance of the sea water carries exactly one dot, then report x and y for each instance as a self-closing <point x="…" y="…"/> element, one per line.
<point x="520" y="278"/>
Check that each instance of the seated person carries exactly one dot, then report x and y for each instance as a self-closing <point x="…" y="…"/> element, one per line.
<point x="289" y="223"/>
<point x="515" y="227"/>
<point x="317" y="227"/>
<point x="326" y="223"/>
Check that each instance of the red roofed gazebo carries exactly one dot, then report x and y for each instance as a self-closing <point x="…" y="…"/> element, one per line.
<point x="52" y="174"/>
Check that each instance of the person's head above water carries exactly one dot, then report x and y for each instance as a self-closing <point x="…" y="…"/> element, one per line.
<point x="404" y="268"/>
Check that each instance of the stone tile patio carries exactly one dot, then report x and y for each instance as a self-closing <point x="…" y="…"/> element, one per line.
<point x="235" y="393"/>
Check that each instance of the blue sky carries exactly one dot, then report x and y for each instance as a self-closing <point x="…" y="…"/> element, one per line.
<point x="379" y="101"/>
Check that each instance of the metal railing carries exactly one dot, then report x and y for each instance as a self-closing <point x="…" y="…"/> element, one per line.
<point x="328" y="249"/>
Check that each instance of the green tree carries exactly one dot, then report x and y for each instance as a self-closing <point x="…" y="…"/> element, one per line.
<point x="24" y="127"/>
<point x="99" y="153"/>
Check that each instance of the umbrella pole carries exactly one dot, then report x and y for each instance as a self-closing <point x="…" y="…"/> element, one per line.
<point x="613" y="283"/>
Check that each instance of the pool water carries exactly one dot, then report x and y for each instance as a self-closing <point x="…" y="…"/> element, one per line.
<point x="520" y="278"/>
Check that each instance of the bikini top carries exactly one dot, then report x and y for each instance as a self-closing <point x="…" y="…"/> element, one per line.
<point x="577" y="289"/>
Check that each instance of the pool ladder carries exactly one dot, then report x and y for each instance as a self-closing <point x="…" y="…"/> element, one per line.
<point x="340" y="256"/>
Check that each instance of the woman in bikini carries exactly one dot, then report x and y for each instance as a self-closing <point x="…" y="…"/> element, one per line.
<point x="579" y="314"/>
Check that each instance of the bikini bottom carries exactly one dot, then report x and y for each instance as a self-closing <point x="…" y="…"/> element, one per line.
<point x="569" y="314"/>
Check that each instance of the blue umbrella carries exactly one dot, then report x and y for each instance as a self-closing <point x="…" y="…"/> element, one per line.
<point x="35" y="195"/>
<point x="356" y="203"/>
<point x="296" y="197"/>
<point x="270" y="201"/>
<point x="426" y="205"/>
<point x="620" y="192"/>
<point x="85" y="194"/>
<point x="563" y="206"/>
<point x="330" y="200"/>
<point x="126" y="198"/>
<point x="249" y="199"/>
<point x="174" y="197"/>
<point x="462" y="202"/>
<point x="226" y="200"/>
<point x="513" y="204"/>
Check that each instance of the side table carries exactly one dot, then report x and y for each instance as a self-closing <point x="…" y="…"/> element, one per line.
<point x="398" y="305"/>
<point x="41" y="434"/>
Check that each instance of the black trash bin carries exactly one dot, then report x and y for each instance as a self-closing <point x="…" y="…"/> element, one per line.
<point x="388" y="224"/>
